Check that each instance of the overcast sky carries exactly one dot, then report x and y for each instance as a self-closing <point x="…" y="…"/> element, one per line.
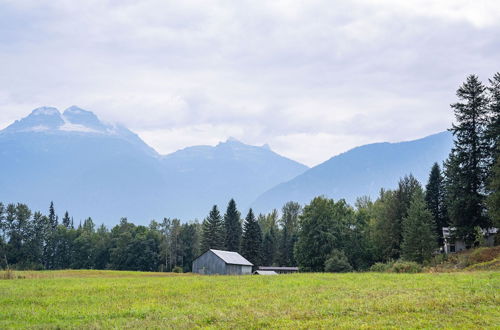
<point x="311" y="78"/>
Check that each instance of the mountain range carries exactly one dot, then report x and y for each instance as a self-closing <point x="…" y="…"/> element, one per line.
<point x="105" y="171"/>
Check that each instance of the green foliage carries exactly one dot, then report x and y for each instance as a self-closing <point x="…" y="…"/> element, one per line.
<point x="399" y="266"/>
<point x="251" y="243"/>
<point x="467" y="166"/>
<point x="324" y="224"/>
<point x="232" y="223"/>
<point x="493" y="201"/>
<point x="436" y="200"/>
<point x="289" y="223"/>
<point x="406" y="267"/>
<point x="381" y="267"/>
<point x="388" y="214"/>
<point x="177" y="269"/>
<point x="213" y="234"/>
<point x="419" y="233"/>
<point x="337" y="263"/>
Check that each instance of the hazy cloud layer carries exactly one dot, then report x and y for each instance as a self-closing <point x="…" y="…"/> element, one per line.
<point x="311" y="78"/>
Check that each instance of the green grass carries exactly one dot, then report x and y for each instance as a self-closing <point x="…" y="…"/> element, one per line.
<point x="111" y="299"/>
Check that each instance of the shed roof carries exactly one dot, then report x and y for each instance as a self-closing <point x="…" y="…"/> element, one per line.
<point x="265" y="272"/>
<point x="291" y="269"/>
<point x="233" y="258"/>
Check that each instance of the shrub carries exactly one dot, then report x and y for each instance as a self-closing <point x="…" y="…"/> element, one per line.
<point x="337" y="263"/>
<point x="177" y="269"/>
<point x="406" y="267"/>
<point x="381" y="267"/>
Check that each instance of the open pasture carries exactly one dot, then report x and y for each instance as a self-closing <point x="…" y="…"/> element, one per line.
<point x="113" y="299"/>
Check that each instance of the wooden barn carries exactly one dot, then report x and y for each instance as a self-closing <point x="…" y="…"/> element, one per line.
<point x="222" y="263"/>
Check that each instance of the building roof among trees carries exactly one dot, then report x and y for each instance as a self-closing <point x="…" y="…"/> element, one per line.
<point x="272" y="268"/>
<point x="233" y="258"/>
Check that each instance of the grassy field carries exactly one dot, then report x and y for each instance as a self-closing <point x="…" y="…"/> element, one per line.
<point x="111" y="299"/>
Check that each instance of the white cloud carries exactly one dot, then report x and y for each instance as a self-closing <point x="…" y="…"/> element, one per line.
<point x="311" y="78"/>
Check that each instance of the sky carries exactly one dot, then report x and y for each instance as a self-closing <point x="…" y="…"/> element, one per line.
<point x="310" y="78"/>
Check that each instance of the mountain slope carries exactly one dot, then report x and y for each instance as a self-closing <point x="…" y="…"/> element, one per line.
<point x="205" y="175"/>
<point x="91" y="168"/>
<point x="361" y="171"/>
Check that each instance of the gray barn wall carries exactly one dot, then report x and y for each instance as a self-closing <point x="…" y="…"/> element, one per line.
<point x="208" y="263"/>
<point x="238" y="270"/>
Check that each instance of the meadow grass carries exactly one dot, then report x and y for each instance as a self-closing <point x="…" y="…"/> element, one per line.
<point x="113" y="299"/>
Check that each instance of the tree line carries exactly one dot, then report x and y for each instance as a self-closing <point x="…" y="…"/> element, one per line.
<point x="325" y="235"/>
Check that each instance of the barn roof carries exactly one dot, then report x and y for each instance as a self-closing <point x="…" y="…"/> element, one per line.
<point x="233" y="258"/>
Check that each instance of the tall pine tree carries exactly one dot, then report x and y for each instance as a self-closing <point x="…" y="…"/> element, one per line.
<point x="435" y="199"/>
<point x="467" y="172"/>
<point x="251" y="243"/>
<point x="232" y="224"/>
<point x="213" y="231"/>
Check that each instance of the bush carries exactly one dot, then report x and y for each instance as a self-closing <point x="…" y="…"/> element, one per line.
<point x="406" y="267"/>
<point x="337" y="263"/>
<point x="381" y="267"/>
<point x="396" y="267"/>
<point x="177" y="269"/>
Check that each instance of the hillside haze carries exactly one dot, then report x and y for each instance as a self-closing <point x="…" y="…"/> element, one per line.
<point x="105" y="171"/>
<point x="361" y="171"/>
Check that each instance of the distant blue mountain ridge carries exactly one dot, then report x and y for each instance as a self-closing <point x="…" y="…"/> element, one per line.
<point x="105" y="171"/>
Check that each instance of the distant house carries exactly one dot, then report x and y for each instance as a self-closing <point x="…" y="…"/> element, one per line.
<point x="265" y="272"/>
<point x="280" y="270"/>
<point x="456" y="245"/>
<point x="222" y="262"/>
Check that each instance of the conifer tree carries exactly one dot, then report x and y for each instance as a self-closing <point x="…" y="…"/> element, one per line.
<point x="252" y="239"/>
<point x="493" y="128"/>
<point x="289" y="233"/>
<point x="269" y="247"/>
<point x="66" y="221"/>
<point x="466" y="177"/>
<point x="213" y="231"/>
<point x="494" y="197"/>
<point x="232" y="225"/>
<point x="435" y="199"/>
<point x="419" y="234"/>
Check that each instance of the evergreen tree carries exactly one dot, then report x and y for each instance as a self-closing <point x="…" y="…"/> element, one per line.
<point x="213" y="231"/>
<point x="419" y="234"/>
<point x="468" y="159"/>
<point x="493" y="128"/>
<point x="3" y="240"/>
<point x="494" y="197"/>
<point x="52" y="216"/>
<point x="251" y="243"/>
<point x="269" y="247"/>
<point x="435" y="199"/>
<point x="66" y="221"/>
<point x="289" y="223"/>
<point x="232" y="224"/>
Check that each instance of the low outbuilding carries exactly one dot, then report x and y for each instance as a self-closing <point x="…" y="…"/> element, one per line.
<point x="222" y="263"/>
<point x="280" y="270"/>
<point x="265" y="272"/>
